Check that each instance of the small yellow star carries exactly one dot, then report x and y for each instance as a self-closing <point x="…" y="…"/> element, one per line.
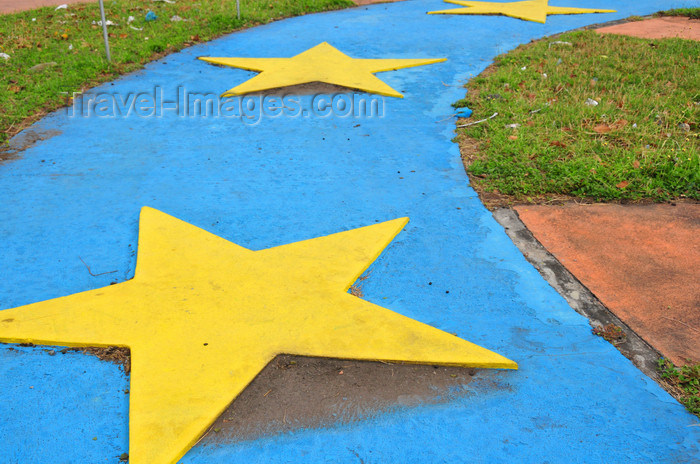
<point x="529" y="10"/>
<point x="322" y="63"/>
<point x="202" y="316"/>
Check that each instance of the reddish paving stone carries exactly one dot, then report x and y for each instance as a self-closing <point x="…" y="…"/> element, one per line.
<point x="657" y="28"/>
<point x="10" y="6"/>
<point x="642" y="262"/>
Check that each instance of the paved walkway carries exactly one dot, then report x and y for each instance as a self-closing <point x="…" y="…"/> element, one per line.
<point x="11" y="6"/>
<point x="642" y="262"/>
<point x="74" y="199"/>
<point x="657" y="28"/>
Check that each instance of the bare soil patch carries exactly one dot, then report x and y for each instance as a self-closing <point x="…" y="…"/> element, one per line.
<point x="294" y="392"/>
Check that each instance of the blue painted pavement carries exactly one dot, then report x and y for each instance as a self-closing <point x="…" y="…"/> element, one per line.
<point x="77" y="196"/>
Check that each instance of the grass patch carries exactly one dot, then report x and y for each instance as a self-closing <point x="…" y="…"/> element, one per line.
<point x="68" y="38"/>
<point x="639" y="142"/>
<point x="684" y="382"/>
<point x="692" y="13"/>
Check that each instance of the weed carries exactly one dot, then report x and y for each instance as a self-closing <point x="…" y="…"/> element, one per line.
<point x="461" y="103"/>
<point x="685" y="381"/>
<point x="692" y="13"/>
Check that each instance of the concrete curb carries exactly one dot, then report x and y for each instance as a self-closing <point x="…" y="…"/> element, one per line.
<point x="582" y="300"/>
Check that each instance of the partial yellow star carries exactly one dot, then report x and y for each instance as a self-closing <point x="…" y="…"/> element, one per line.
<point x="203" y="316"/>
<point x="529" y="10"/>
<point x="322" y="63"/>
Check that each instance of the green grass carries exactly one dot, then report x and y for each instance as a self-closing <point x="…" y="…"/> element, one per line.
<point x="45" y="35"/>
<point x="640" y="142"/>
<point x="685" y="382"/>
<point x="692" y="13"/>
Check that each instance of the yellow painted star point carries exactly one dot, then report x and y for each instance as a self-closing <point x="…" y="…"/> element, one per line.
<point x="202" y="317"/>
<point x="528" y="10"/>
<point x="322" y="63"/>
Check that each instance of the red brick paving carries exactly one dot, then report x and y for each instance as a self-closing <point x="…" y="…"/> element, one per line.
<point x="10" y="6"/>
<point x="642" y="262"/>
<point x="657" y="28"/>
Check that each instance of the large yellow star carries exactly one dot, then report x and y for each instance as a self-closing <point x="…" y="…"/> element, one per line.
<point x="529" y="10"/>
<point x="322" y="63"/>
<point x="203" y="316"/>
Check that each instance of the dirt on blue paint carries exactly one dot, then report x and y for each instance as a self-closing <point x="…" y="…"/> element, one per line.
<point x="22" y="141"/>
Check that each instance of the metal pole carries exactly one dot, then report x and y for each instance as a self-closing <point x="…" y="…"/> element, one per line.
<point x="238" y="8"/>
<point x="104" y="30"/>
